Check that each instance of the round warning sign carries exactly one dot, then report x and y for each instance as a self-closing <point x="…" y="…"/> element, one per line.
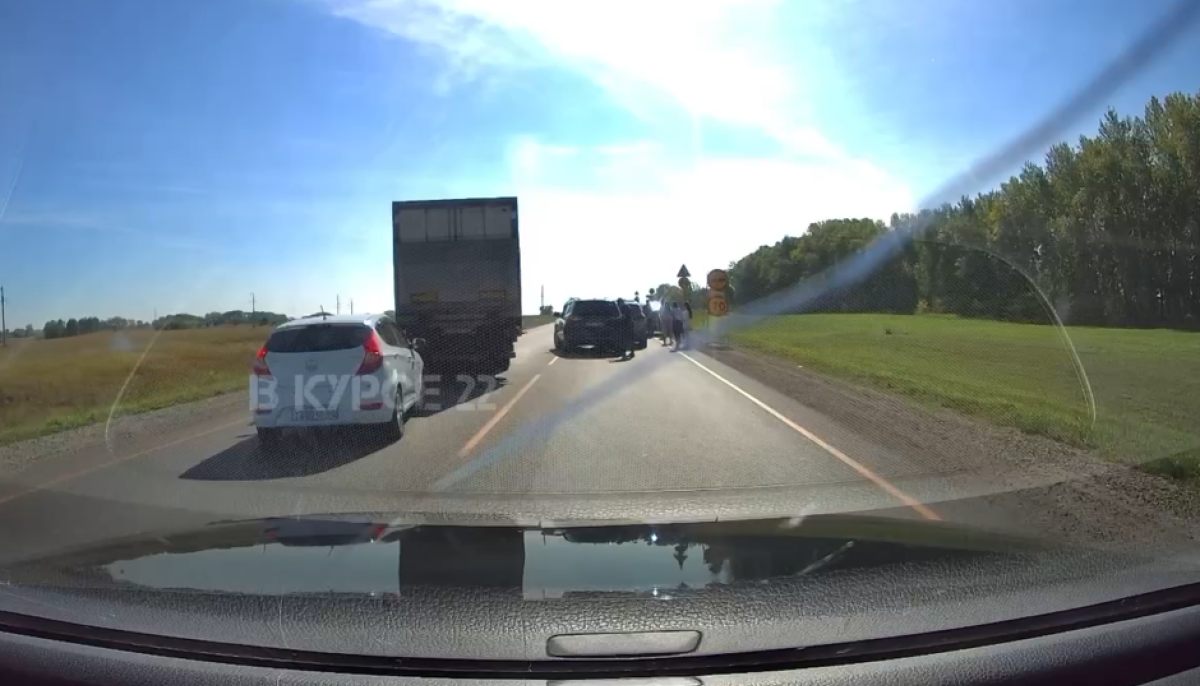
<point x="718" y="279"/>
<point x="718" y="306"/>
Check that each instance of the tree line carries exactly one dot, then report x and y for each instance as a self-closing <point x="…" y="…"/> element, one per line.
<point x="58" y="328"/>
<point x="1107" y="230"/>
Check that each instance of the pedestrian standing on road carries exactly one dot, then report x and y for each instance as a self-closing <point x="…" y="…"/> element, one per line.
<point x="678" y="314"/>
<point x="664" y="322"/>
<point x="625" y="332"/>
<point x="687" y="324"/>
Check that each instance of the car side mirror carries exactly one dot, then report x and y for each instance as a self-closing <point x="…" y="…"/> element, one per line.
<point x="418" y="344"/>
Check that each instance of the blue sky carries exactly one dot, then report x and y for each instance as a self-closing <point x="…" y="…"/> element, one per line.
<point x="178" y="155"/>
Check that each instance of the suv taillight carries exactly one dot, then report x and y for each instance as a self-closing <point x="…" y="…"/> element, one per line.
<point x="372" y="355"/>
<point x="260" y="363"/>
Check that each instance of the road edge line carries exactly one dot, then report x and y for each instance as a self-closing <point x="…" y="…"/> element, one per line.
<point x="850" y="462"/>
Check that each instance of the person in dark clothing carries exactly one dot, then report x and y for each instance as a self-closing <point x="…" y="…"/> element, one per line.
<point x="625" y="332"/>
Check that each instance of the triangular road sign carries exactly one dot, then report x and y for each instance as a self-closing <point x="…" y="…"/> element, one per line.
<point x="683" y="272"/>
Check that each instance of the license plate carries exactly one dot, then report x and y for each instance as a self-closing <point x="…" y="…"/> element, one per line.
<point x="316" y="415"/>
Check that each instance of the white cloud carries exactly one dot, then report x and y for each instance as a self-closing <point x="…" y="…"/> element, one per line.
<point x="755" y="66"/>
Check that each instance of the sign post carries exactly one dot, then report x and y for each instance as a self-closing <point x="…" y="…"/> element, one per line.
<point x="718" y="305"/>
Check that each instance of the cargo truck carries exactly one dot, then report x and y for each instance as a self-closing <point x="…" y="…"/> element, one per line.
<point x="457" y="266"/>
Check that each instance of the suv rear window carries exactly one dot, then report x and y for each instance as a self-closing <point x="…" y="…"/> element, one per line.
<point x="318" y="338"/>
<point x="595" y="308"/>
<point x="635" y="311"/>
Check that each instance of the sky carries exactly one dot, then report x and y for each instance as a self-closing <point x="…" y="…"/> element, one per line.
<point x="179" y="156"/>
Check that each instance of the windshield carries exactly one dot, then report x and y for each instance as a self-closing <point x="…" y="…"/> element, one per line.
<point x="317" y="338"/>
<point x="897" y="275"/>
<point x="594" y="308"/>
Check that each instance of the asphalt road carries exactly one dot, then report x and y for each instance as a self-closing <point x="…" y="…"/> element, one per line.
<point x="665" y="436"/>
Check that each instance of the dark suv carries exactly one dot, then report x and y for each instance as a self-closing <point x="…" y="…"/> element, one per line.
<point x="588" y="323"/>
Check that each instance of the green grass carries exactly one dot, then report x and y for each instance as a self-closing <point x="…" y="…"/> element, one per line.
<point x="49" y="386"/>
<point x="1146" y="383"/>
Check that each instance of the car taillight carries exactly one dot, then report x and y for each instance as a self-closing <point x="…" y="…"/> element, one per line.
<point x="260" y="363"/>
<point x="372" y="355"/>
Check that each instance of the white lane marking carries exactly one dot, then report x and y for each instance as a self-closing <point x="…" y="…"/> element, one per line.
<point x="552" y="360"/>
<point x="874" y="478"/>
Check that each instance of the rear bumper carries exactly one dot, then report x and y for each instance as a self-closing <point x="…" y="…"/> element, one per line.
<point x="286" y="418"/>
<point x="368" y="399"/>
<point x="600" y="337"/>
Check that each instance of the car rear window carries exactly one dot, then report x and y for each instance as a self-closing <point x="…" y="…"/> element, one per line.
<point x="595" y="308"/>
<point x="635" y="311"/>
<point x="317" y="338"/>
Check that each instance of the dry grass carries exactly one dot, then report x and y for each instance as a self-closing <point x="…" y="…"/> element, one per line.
<point x="48" y="386"/>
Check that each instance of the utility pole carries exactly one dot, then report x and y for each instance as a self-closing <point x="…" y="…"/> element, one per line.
<point x="543" y="305"/>
<point x="351" y="305"/>
<point x="253" y="312"/>
<point x="3" y="321"/>
<point x="338" y="305"/>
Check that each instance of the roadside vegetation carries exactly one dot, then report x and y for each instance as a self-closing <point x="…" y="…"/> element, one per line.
<point x="1018" y="375"/>
<point x="52" y="385"/>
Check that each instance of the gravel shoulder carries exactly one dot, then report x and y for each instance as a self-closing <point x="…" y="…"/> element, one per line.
<point x="1056" y="490"/>
<point x="124" y="435"/>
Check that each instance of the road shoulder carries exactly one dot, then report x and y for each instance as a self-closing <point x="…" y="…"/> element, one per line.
<point x="126" y="434"/>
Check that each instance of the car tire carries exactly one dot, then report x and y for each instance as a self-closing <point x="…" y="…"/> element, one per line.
<point x="268" y="438"/>
<point x="392" y="430"/>
<point x="642" y="344"/>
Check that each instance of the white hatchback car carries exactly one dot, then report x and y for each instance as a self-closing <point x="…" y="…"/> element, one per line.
<point x="335" y="370"/>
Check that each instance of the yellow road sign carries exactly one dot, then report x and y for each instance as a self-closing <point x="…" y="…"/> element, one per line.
<point x="718" y="306"/>
<point x="718" y="279"/>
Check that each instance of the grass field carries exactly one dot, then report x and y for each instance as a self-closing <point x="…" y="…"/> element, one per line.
<point x="47" y="386"/>
<point x="1146" y="383"/>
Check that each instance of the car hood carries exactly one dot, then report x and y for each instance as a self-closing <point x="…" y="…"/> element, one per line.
<point x="427" y="587"/>
<point x="351" y="553"/>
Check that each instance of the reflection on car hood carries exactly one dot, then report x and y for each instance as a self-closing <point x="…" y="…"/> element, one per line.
<point x="380" y="555"/>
